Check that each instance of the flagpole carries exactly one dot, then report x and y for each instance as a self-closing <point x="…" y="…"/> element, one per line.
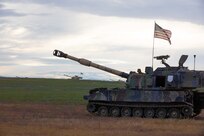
<point x="153" y="48"/>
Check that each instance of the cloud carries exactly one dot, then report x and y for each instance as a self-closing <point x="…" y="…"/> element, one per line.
<point x="183" y="10"/>
<point x="107" y="32"/>
<point x="8" y="12"/>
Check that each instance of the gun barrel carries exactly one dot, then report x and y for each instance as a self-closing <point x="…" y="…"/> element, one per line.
<point x="90" y="64"/>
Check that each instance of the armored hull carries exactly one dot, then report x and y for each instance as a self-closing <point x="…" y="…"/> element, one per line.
<point x="142" y="103"/>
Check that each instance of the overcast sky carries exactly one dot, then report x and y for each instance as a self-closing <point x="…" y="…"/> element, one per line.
<point x="115" y="33"/>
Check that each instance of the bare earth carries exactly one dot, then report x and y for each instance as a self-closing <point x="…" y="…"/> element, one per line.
<point x="73" y="120"/>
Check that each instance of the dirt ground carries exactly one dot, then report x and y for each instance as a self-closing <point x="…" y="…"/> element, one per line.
<point x="74" y="120"/>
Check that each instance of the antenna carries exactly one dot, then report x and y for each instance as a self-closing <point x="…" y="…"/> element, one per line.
<point x="194" y="61"/>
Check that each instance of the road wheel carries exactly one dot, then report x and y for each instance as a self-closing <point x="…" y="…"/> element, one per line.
<point x="161" y="113"/>
<point x="91" y="107"/>
<point x="187" y="111"/>
<point x="149" y="112"/>
<point x="103" y="111"/>
<point x="115" y="111"/>
<point x="174" y="113"/>
<point x="126" y="112"/>
<point x="137" y="112"/>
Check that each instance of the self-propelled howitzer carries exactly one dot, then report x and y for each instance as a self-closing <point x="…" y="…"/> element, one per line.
<point x="167" y="92"/>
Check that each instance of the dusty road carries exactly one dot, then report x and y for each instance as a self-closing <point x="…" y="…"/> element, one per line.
<point x="73" y="120"/>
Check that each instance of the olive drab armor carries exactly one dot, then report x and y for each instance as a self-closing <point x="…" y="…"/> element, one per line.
<point x="167" y="92"/>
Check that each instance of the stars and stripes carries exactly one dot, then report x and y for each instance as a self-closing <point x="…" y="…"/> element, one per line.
<point x="161" y="33"/>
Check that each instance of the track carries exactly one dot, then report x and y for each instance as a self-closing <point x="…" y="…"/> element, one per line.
<point x="145" y="110"/>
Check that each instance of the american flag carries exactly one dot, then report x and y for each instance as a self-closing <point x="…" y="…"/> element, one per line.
<point x="161" y="33"/>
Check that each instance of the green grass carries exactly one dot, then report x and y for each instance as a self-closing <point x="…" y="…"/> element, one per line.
<point x="55" y="91"/>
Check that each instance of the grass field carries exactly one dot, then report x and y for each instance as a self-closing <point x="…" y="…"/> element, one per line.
<point x="50" y="107"/>
<point x="55" y="91"/>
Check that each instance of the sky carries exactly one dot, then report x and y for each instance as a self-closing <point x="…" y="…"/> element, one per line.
<point x="113" y="33"/>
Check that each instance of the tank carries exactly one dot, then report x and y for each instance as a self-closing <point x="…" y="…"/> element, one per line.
<point x="167" y="92"/>
<point x="75" y="77"/>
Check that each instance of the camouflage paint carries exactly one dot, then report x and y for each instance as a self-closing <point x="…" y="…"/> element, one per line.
<point x="139" y="96"/>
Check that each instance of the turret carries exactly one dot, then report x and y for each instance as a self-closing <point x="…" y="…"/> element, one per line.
<point x="168" y="77"/>
<point x="90" y="64"/>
